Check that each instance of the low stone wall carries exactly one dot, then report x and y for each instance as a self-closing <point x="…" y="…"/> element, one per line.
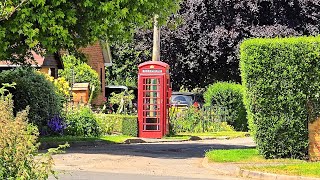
<point x="314" y="140"/>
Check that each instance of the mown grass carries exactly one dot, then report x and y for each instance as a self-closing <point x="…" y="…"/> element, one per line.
<point x="234" y="155"/>
<point x="243" y="156"/>
<point x="310" y="169"/>
<point x="109" y="139"/>
<point x="255" y="162"/>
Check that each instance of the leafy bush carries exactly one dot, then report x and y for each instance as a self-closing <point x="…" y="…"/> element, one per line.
<point x="227" y="100"/>
<point x="18" y="145"/>
<point x="195" y="120"/>
<point x="123" y="100"/>
<point x="83" y="73"/>
<point x="61" y="85"/>
<point x="116" y="123"/>
<point x="34" y="90"/>
<point x="282" y="81"/>
<point x="82" y="122"/>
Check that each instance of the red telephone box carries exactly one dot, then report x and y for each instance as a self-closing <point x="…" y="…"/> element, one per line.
<point x="154" y="93"/>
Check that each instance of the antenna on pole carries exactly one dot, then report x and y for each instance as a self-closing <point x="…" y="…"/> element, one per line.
<point x="156" y="39"/>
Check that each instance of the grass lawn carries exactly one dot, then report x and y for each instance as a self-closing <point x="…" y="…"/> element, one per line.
<point x="109" y="139"/>
<point x="242" y="156"/>
<point x="234" y="155"/>
<point x="231" y="134"/>
<point x="310" y="169"/>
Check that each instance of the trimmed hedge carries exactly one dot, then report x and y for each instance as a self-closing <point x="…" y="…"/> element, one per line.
<point x="228" y="96"/>
<point x="282" y="81"/>
<point x="130" y="126"/>
<point x="117" y="123"/>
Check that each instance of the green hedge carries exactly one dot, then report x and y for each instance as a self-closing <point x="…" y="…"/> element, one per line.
<point x="282" y="81"/>
<point x="117" y="123"/>
<point x="34" y="90"/>
<point x="227" y="100"/>
<point x="130" y="126"/>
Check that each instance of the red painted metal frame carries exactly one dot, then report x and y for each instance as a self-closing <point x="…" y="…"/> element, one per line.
<point x="156" y="125"/>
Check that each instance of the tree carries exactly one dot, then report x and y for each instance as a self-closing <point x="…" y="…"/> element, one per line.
<point x="8" y="7"/>
<point x="54" y="25"/>
<point x="202" y="45"/>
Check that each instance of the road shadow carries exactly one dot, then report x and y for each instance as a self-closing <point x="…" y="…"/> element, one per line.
<point x="181" y="150"/>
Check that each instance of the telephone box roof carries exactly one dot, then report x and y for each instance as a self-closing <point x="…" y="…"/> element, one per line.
<point x="154" y="63"/>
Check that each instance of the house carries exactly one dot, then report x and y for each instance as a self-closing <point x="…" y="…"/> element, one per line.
<point x="48" y="64"/>
<point x="98" y="56"/>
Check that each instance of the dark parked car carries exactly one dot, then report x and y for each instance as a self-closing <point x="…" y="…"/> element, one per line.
<point x="186" y="99"/>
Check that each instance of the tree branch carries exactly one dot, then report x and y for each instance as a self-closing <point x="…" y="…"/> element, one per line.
<point x="6" y="15"/>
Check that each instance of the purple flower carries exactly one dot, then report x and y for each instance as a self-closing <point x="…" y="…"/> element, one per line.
<point x="56" y="125"/>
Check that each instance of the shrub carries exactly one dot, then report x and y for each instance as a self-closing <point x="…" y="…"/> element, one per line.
<point x="18" y="145"/>
<point x="61" y="86"/>
<point x="227" y="99"/>
<point x="282" y="81"/>
<point x="82" y="122"/>
<point x="195" y="120"/>
<point x="34" y="90"/>
<point x="116" y="123"/>
<point x="83" y="73"/>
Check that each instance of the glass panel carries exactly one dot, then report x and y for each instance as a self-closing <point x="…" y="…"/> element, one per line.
<point x="152" y="127"/>
<point x="151" y="120"/>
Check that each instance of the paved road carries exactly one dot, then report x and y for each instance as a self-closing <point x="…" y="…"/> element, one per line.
<point x="86" y="175"/>
<point x="174" y="160"/>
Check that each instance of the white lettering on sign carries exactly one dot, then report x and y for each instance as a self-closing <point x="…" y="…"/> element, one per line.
<point x="152" y="70"/>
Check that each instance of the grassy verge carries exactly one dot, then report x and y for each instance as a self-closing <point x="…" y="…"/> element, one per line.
<point x="309" y="169"/>
<point x="243" y="156"/>
<point x="231" y="134"/>
<point x="109" y="139"/>
<point x="234" y="155"/>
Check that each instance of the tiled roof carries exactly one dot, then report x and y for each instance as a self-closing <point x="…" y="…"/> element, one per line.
<point x="38" y="61"/>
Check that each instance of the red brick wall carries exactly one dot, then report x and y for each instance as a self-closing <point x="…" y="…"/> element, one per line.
<point x="95" y="60"/>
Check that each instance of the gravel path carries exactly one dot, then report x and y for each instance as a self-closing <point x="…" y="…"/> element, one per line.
<point x="178" y="159"/>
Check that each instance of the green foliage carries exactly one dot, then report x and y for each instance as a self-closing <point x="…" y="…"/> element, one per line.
<point x="227" y="100"/>
<point x="130" y="126"/>
<point x="61" y="24"/>
<point x="8" y="7"/>
<point x="34" y="90"/>
<point x="109" y="123"/>
<point x="117" y="123"/>
<point x="124" y="70"/>
<point x="123" y="100"/>
<point x="282" y="82"/>
<point x="82" y="73"/>
<point x="194" y="120"/>
<point x="82" y="122"/>
<point x="18" y="145"/>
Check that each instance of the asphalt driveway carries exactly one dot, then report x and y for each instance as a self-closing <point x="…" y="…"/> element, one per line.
<point x="170" y="160"/>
